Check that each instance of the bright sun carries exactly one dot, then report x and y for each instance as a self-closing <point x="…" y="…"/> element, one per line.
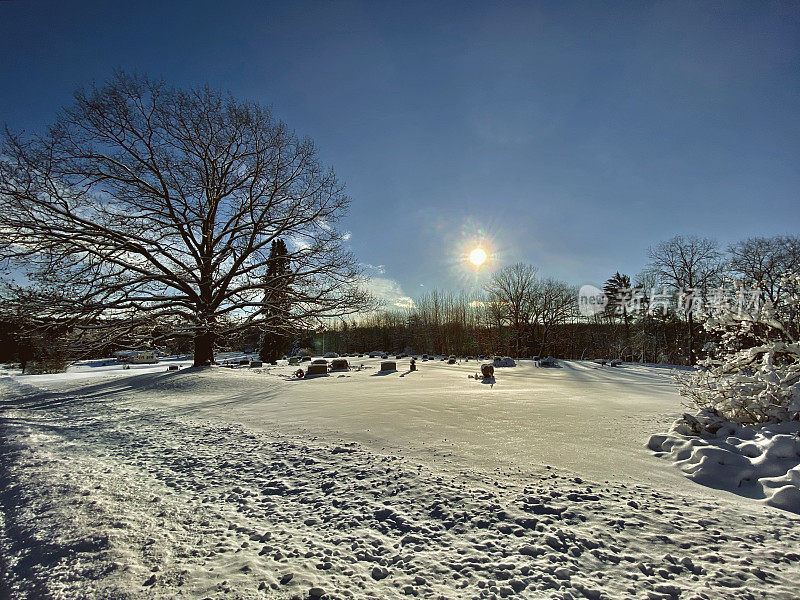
<point x="477" y="257"/>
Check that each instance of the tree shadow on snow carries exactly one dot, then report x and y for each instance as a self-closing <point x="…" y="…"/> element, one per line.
<point x="186" y="383"/>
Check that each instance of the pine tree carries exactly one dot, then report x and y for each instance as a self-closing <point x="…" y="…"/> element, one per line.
<point x="618" y="291"/>
<point x="277" y="304"/>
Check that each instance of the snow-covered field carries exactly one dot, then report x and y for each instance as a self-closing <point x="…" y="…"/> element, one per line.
<point x="246" y="483"/>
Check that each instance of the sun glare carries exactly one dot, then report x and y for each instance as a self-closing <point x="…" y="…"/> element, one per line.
<point x="477" y="257"/>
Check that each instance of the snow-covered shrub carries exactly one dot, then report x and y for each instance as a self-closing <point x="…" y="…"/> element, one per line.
<point x="752" y="373"/>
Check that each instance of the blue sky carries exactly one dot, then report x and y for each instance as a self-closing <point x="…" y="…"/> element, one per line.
<point x="568" y="135"/>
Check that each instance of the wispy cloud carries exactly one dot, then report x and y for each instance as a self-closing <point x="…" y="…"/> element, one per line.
<point x="298" y="243"/>
<point x="376" y="269"/>
<point x="390" y="292"/>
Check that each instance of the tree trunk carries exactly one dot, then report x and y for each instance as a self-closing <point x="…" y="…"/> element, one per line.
<point x="628" y="350"/>
<point x="264" y="351"/>
<point x="691" y="340"/>
<point x="204" y="349"/>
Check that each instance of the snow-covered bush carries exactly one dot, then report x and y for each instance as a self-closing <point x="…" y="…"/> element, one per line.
<point x="752" y="373"/>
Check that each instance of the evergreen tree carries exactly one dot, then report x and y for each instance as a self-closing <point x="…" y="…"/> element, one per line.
<point x="618" y="291"/>
<point x="276" y="332"/>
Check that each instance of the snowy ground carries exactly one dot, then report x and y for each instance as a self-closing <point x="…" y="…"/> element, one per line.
<point x="238" y="483"/>
<point x="758" y="462"/>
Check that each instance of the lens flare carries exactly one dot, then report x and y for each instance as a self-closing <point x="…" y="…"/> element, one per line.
<point x="477" y="257"/>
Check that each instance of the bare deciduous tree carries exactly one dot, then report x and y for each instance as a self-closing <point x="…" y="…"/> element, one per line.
<point x="690" y="265"/>
<point x="511" y="292"/>
<point x="148" y="205"/>
<point x="763" y="262"/>
<point x="554" y="303"/>
<point x="527" y="303"/>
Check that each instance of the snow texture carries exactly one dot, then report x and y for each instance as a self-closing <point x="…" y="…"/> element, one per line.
<point x="210" y="484"/>
<point x="756" y="462"/>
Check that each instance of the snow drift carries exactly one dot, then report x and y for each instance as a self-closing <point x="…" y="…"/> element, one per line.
<point x="756" y="462"/>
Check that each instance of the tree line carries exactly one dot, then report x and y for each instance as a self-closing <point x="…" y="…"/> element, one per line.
<point x="651" y="318"/>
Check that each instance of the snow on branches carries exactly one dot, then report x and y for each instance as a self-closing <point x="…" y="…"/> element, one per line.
<point x="752" y="373"/>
